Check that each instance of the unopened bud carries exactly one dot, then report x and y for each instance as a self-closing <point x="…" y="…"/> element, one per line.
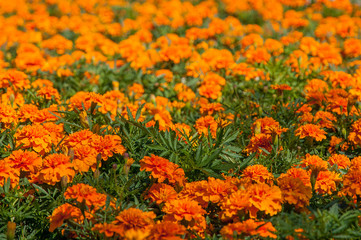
<point x="10" y="234"/>
<point x="257" y="129"/>
<point x="127" y="165"/>
<point x="96" y="174"/>
<point x="71" y="154"/>
<point x="84" y="119"/>
<point x="115" y="166"/>
<point x="64" y="181"/>
<point x="96" y="129"/>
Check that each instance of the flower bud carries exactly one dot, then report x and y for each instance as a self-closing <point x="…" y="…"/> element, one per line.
<point x="64" y="181"/>
<point x="10" y="234"/>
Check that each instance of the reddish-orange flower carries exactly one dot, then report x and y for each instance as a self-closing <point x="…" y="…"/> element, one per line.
<point x="162" y="169"/>
<point x="311" y="130"/>
<point x="249" y="228"/>
<point x="161" y="193"/>
<point x="56" y="166"/>
<point x="133" y="219"/>
<point x="62" y="213"/>
<point x="258" y="174"/>
<point x="167" y="230"/>
<point x="294" y="191"/>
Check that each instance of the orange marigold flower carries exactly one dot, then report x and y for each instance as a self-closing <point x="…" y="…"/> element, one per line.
<point x="83" y="137"/>
<point x="162" y="169"/>
<point x="136" y="90"/>
<point x="326" y="182"/>
<point x="235" y="203"/>
<point x="314" y="162"/>
<point x="281" y="87"/>
<point x="299" y="173"/>
<point x="84" y="158"/>
<point x="294" y="191"/>
<point x="355" y="134"/>
<point x="108" y="145"/>
<point x="325" y="119"/>
<point x="211" y="108"/>
<point x="259" y="142"/>
<point x="35" y="137"/>
<point x="62" y="213"/>
<point x="83" y="192"/>
<point x="267" y="125"/>
<point x="56" y="166"/>
<point x="186" y="210"/>
<point x="25" y="161"/>
<point x="352" y="182"/>
<point x="27" y="112"/>
<point x="217" y="189"/>
<point x="167" y="230"/>
<point x="263" y="197"/>
<point x="14" y="79"/>
<point x="197" y="191"/>
<point x="8" y="116"/>
<point x="341" y="160"/>
<point x="134" y="219"/>
<point x="48" y="93"/>
<point x="7" y="171"/>
<point x="258" y="174"/>
<point x="311" y="130"/>
<point x="204" y="123"/>
<point x="249" y="228"/>
<point x="210" y="90"/>
<point x="107" y="228"/>
<point x="161" y="193"/>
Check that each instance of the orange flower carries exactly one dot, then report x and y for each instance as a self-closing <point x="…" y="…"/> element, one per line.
<point x="14" y="79"/>
<point x="133" y="219"/>
<point x="281" y="87"/>
<point x="258" y="174"/>
<point x="83" y="137"/>
<point x="341" y="160"/>
<point x="312" y="131"/>
<point x="107" y="145"/>
<point x="62" y="213"/>
<point x="161" y="193"/>
<point x="352" y="182"/>
<point x="186" y="210"/>
<point x="235" y="203"/>
<point x="8" y="116"/>
<point x="162" y="169"/>
<point x="267" y="125"/>
<point x="262" y="197"/>
<point x="35" y="137"/>
<point x="258" y="143"/>
<point x="314" y="162"/>
<point x="167" y="231"/>
<point x="299" y="173"/>
<point x="84" y="158"/>
<point x="204" y="123"/>
<point x="249" y="228"/>
<point x="25" y="161"/>
<point x="56" y="166"/>
<point x="326" y="182"/>
<point x="83" y="192"/>
<point x="7" y="171"/>
<point x="355" y="134"/>
<point x="294" y="191"/>
<point x="107" y="228"/>
<point x="48" y="93"/>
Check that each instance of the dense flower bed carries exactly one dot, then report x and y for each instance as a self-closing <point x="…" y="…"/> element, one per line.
<point x="170" y="119"/>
